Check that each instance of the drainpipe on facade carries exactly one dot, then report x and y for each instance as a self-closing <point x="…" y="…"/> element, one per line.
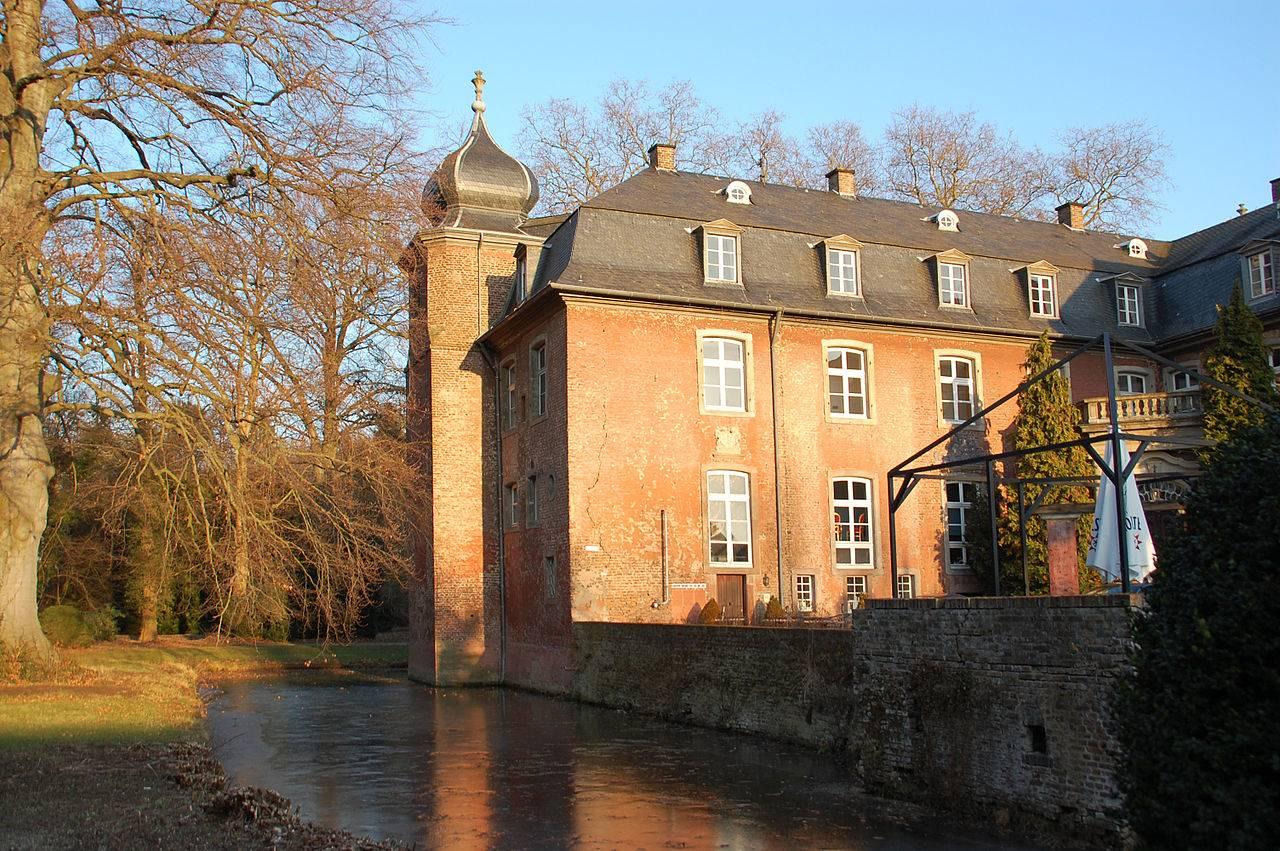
<point x="774" y="333"/>
<point x="490" y="358"/>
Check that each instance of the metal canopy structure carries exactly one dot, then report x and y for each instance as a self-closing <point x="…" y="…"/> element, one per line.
<point x="904" y="477"/>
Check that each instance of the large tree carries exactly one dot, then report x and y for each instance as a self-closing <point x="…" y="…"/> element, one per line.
<point x="1201" y="762"/>
<point x="159" y="108"/>
<point x="1046" y="416"/>
<point x="1239" y="360"/>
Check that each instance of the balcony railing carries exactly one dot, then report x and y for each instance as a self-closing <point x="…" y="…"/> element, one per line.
<point x="1139" y="407"/>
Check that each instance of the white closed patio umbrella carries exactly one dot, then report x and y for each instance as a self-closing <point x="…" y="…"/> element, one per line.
<point x="1104" y="542"/>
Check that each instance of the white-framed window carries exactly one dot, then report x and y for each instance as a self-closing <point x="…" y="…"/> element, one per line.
<point x="531" y="502"/>
<point x="851" y="522"/>
<point x="906" y="589"/>
<point x="511" y="496"/>
<point x="729" y="517"/>
<point x="521" y="282"/>
<point x="738" y="193"/>
<point x="724" y="374"/>
<point x="549" y="576"/>
<point x="842" y="272"/>
<point x="957" y="387"/>
<point x="855" y="588"/>
<point x="960" y="498"/>
<point x="947" y="220"/>
<point x="1182" y="381"/>
<point x="804" y="593"/>
<point x="1136" y="248"/>
<point x="538" y="377"/>
<point x="847" y="382"/>
<point x="721" y="253"/>
<point x="1128" y="305"/>
<point x="1273" y="355"/>
<point x="507" y="378"/>
<point x="1262" y="278"/>
<point x="1044" y="297"/>
<point x="953" y="287"/>
<point x="1130" y="382"/>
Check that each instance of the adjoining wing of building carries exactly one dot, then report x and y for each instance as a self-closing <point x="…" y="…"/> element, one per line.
<point x="693" y="386"/>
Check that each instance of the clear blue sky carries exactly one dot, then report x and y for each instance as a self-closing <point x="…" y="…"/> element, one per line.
<point x="1205" y="73"/>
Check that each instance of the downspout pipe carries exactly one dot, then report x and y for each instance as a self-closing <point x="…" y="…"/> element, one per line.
<point x="774" y="333"/>
<point x="491" y="359"/>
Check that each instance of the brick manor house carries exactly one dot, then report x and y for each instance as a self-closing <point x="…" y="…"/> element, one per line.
<point x="693" y="386"/>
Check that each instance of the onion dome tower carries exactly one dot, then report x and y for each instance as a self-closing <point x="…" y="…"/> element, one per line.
<point x="480" y="186"/>
<point x="463" y="272"/>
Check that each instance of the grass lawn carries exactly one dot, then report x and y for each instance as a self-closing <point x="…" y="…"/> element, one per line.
<point x="123" y="692"/>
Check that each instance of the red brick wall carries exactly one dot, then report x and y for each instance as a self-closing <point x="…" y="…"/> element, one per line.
<point x="457" y="597"/>
<point x="639" y="445"/>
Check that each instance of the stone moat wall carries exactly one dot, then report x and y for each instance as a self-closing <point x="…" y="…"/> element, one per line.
<point x="997" y="707"/>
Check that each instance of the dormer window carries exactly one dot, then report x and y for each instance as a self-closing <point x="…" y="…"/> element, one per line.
<point x="738" y="193"/>
<point x="1044" y="299"/>
<point x="947" y="220"/>
<point x="841" y="261"/>
<point x="1042" y="289"/>
<point x="953" y="279"/>
<point x="1128" y="305"/>
<point x="1262" y="276"/>
<point x="720" y="261"/>
<point x="1135" y="248"/>
<point x="522" y="277"/>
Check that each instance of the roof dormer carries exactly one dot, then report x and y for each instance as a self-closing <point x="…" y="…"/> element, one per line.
<point x="946" y="220"/>
<point x="737" y="192"/>
<point x="1134" y="247"/>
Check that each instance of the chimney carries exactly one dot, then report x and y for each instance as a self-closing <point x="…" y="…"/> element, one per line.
<point x="662" y="156"/>
<point x="1275" y="191"/>
<point x="1071" y="214"/>
<point x="840" y="181"/>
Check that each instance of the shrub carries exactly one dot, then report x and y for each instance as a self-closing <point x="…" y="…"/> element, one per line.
<point x="710" y="612"/>
<point x="104" y="624"/>
<point x="773" y="611"/>
<point x="1201" y="767"/>
<point x="65" y="626"/>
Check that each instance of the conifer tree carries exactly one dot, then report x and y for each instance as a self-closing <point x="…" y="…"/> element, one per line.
<point x="1238" y="359"/>
<point x="1046" y="415"/>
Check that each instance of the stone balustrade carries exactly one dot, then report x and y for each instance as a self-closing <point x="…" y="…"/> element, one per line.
<point x="1143" y="407"/>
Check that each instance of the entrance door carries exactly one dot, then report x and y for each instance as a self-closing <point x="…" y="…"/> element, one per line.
<point x="731" y="593"/>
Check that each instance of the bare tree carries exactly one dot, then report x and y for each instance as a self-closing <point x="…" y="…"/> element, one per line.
<point x="1113" y="171"/>
<point x="579" y="151"/>
<point x="939" y="158"/>
<point x="840" y="144"/>
<point x="762" y="150"/>
<point x="171" y="105"/>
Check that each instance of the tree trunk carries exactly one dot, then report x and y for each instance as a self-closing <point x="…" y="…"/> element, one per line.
<point x="148" y="612"/>
<point x="24" y="459"/>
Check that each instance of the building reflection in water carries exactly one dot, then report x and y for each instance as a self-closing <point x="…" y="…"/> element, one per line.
<point x="487" y="768"/>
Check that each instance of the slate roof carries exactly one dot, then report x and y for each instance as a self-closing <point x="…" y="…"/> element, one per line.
<point x="636" y="238"/>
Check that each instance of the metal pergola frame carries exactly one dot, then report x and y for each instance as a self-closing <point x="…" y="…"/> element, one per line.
<point x="902" y="478"/>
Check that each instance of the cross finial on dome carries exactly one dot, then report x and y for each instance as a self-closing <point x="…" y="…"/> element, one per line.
<point x="477" y="106"/>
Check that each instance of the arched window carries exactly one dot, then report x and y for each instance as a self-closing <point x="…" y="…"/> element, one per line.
<point x="738" y="193"/>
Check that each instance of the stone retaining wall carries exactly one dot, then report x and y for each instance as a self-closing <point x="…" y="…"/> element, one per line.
<point x="992" y="706"/>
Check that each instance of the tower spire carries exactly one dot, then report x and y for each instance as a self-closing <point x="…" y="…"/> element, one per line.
<point x="477" y="106"/>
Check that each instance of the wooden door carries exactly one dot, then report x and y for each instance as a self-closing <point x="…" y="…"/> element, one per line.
<point x="731" y="593"/>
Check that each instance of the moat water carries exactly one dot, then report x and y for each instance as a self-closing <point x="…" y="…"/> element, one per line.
<point x="490" y="768"/>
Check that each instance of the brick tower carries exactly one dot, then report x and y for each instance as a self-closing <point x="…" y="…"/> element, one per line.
<point x="463" y="267"/>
